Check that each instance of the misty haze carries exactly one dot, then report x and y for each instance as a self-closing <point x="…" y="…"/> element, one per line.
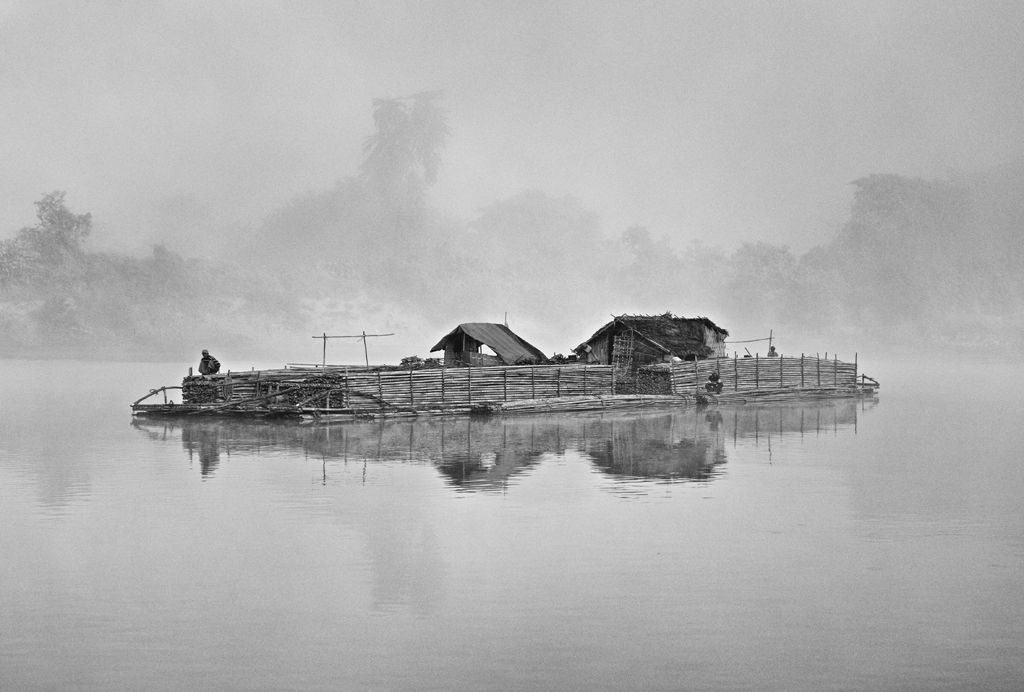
<point x="243" y="177"/>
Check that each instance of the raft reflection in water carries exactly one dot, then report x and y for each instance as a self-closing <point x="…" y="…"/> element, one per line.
<point x="482" y="454"/>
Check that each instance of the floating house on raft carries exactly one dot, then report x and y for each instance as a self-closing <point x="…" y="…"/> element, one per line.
<point x="634" y="361"/>
<point x="463" y="346"/>
<point x="631" y="341"/>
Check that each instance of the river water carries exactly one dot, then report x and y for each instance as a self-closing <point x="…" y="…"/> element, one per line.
<point x="846" y="545"/>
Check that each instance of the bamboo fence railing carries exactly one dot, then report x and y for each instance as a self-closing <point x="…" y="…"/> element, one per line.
<point x="539" y="387"/>
<point x="415" y="389"/>
<point x="752" y="374"/>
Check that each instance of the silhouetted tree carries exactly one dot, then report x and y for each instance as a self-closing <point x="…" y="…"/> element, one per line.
<point x="49" y="252"/>
<point x="403" y="155"/>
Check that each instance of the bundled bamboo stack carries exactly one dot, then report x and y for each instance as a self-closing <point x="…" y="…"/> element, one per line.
<point x="749" y="374"/>
<point x="786" y="394"/>
<point x="592" y="403"/>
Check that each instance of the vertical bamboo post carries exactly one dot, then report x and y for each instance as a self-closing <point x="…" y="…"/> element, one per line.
<point x="380" y="390"/>
<point x="412" y="402"/>
<point x="801" y="370"/>
<point x="855" y="367"/>
<point x="504" y="384"/>
<point x="444" y="369"/>
<point x="533" y="382"/>
<point x="782" y="382"/>
<point x="558" y="382"/>
<point x="696" y="378"/>
<point x="469" y="389"/>
<point x="817" y="363"/>
<point x="835" y="370"/>
<point x="757" y="371"/>
<point x="584" y="380"/>
<point x="735" y="372"/>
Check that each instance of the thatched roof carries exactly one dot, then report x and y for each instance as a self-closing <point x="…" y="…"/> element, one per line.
<point x="509" y="346"/>
<point x="670" y="334"/>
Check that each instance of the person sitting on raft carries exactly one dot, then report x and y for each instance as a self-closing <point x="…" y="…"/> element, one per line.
<point x="208" y="365"/>
<point x="714" y="383"/>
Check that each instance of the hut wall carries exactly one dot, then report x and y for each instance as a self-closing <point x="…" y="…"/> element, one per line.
<point x="471" y="356"/>
<point x="714" y="342"/>
<point x="479" y="360"/>
<point x="601" y="351"/>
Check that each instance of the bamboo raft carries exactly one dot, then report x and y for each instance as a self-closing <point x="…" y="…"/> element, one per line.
<point x="351" y="392"/>
<point x="356" y="392"/>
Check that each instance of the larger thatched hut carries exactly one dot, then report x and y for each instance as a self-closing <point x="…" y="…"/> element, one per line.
<point x="635" y="340"/>
<point x="463" y="346"/>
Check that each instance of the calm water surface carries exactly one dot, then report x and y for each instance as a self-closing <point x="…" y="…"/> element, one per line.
<point x="851" y="545"/>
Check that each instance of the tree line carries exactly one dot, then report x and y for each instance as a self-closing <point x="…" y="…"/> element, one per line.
<point x="917" y="259"/>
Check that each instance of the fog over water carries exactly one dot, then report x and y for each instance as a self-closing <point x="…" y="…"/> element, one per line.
<point x="554" y="163"/>
<point x="243" y="176"/>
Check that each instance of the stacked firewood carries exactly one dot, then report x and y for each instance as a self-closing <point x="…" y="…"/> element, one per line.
<point x="199" y="390"/>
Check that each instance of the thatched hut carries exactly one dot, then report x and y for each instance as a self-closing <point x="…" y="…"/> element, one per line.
<point x="636" y="340"/>
<point x="463" y="346"/>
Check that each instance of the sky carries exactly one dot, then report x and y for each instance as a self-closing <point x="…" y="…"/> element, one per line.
<point x="721" y="122"/>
